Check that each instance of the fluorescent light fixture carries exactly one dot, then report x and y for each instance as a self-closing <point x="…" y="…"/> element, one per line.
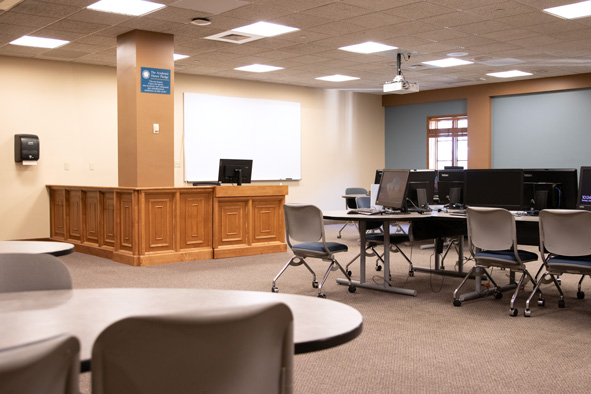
<point x="509" y="74"/>
<point x="337" y="78"/>
<point x="126" y="7"/>
<point x="258" y="68"/>
<point x="368" y="47"/>
<point x="39" y="42"/>
<point x="449" y="62"/>
<point x="571" y="11"/>
<point x="177" y="56"/>
<point x="265" y="29"/>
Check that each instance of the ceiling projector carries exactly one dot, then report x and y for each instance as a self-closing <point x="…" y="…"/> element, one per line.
<point x="401" y="86"/>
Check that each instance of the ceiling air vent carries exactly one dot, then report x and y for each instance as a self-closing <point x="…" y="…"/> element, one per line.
<point x="234" y="37"/>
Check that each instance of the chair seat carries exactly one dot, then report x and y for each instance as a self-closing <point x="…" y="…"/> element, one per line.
<point x="318" y="247"/>
<point x="576" y="264"/>
<point x="507" y="256"/>
<point x="394" y="238"/>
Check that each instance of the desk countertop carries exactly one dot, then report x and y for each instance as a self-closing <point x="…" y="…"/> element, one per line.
<point x="36" y="247"/>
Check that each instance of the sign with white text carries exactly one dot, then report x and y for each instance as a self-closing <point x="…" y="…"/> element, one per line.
<point x="155" y="80"/>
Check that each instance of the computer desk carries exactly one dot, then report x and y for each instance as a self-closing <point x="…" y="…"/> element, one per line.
<point x="429" y="225"/>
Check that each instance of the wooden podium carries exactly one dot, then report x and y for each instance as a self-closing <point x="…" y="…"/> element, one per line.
<point x="147" y="226"/>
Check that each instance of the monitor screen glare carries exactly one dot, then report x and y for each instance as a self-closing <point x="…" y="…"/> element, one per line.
<point x="392" y="191"/>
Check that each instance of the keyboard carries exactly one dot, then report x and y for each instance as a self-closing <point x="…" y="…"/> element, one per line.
<point x="366" y="211"/>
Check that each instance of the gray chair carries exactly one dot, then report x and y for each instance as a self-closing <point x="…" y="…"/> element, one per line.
<point x="374" y="237"/>
<point x="29" y="272"/>
<point x="565" y="244"/>
<point x="245" y="349"/>
<point x="49" y="366"/>
<point x="493" y="243"/>
<point x="351" y="203"/>
<point x="304" y="224"/>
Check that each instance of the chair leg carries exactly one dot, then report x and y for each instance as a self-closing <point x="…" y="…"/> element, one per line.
<point x="334" y="264"/>
<point x="457" y="301"/>
<point x="295" y="261"/>
<point x="580" y="294"/>
<point x="342" y="228"/>
<point x="411" y="270"/>
<point x="527" y="311"/>
<point x="512" y="310"/>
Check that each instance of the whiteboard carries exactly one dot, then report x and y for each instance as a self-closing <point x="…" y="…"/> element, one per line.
<point x="219" y="127"/>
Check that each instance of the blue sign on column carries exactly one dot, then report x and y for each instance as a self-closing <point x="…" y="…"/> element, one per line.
<point x="155" y="80"/>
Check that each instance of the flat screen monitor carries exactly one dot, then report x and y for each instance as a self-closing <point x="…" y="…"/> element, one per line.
<point x="550" y="188"/>
<point x="498" y="188"/>
<point x="584" y="199"/>
<point x="378" y="177"/>
<point x="392" y="191"/>
<point x="450" y="186"/>
<point x="421" y="187"/>
<point x="237" y="171"/>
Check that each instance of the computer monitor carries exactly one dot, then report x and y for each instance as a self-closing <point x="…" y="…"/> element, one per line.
<point x="550" y="188"/>
<point x="498" y="188"/>
<point x="236" y="171"/>
<point x="392" y="191"/>
<point x="450" y="186"/>
<point x="378" y="177"/>
<point x="421" y="188"/>
<point x="584" y="199"/>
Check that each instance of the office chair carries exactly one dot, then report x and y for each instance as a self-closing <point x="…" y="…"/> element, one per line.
<point x="28" y="272"/>
<point x="565" y="245"/>
<point x="374" y="238"/>
<point x="48" y="366"/>
<point x="493" y="243"/>
<point x="304" y="224"/>
<point x="247" y="349"/>
<point x="350" y="203"/>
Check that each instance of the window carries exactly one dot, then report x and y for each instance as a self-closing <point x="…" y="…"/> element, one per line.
<point x="448" y="141"/>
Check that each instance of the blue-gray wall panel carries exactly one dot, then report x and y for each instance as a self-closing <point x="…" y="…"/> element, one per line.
<point x="544" y="130"/>
<point x="406" y="131"/>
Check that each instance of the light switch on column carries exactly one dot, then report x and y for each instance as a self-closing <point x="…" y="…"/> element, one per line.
<point x="156" y="128"/>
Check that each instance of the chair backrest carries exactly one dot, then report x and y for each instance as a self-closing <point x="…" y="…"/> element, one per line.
<point x="351" y="202"/>
<point x="303" y="223"/>
<point x="363" y="202"/>
<point x="245" y="349"/>
<point x="49" y="366"/>
<point x="490" y="228"/>
<point x="565" y="232"/>
<point x="28" y="272"/>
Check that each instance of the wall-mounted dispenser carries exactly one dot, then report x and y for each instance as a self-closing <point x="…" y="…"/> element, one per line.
<point x="26" y="148"/>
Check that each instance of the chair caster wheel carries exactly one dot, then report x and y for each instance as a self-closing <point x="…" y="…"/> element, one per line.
<point x="339" y="236"/>
<point x="378" y="267"/>
<point x="457" y="303"/>
<point x="513" y="312"/>
<point x="315" y="284"/>
<point x="321" y="295"/>
<point x="274" y="289"/>
<point x="349" y="273"/>
<point x="541" y="302"/>
<point x="352" y="289"/>
<point x="498" y="296"/>
<point x="411" y="273"/>
<point x="561" y="303"/>
<point x="580" y="295"/>
<point x="527" y="313"/>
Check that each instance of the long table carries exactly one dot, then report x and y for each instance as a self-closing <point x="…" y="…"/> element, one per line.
<point x="30" y="316"/>
<point x="433" y="225"/>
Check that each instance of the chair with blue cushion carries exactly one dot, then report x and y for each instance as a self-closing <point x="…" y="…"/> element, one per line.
<point x="304" y="230"/>
<point x="351" y="202"/>
<point x="374" y="237"/>
<point x="493" y="243"/>
<point x="565" y="244"/>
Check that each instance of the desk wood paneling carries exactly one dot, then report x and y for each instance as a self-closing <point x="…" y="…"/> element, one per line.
<point x="147" y="226"/>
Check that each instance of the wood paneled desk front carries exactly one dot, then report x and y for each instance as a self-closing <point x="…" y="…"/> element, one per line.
<point x="29" y="316"/>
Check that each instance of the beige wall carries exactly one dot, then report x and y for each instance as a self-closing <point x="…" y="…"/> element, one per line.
<point x="73" y="110"/>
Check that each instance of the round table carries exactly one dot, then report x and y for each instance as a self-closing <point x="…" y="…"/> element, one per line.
<point x="36" y="247"/>
<point x="29" y="316"/>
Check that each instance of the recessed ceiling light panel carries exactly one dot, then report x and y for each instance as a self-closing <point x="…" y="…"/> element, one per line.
<point x="126" y="7"/>
<point x="571" y="11"/>
<point x="368" y="47"/>
<point x="337" y="78"/>
<point x="510" y="74"/>
<point x="178" y="56"/>
<point x="39" y="42"/>
<point x="258" y="68"/>
<point x="265" y="29"/>
<point x="449" y="62"/>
